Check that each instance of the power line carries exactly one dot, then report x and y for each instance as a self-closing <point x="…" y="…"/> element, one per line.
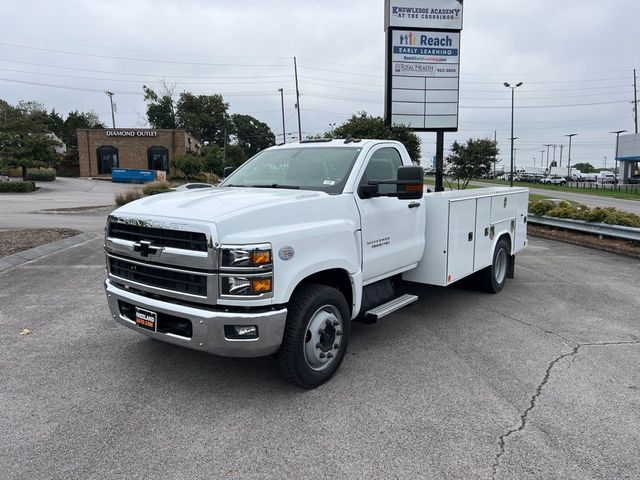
<point x="147" y="60"/>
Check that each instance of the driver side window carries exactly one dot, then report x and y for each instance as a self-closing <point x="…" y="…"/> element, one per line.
<point x="383" y="165"/>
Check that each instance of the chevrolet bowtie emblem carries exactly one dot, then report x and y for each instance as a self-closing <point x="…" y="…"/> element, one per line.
<point x="145" y="248"/>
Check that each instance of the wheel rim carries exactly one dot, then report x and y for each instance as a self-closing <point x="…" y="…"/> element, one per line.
<point x="500" y="271"/>
<point x="323" y="338"/>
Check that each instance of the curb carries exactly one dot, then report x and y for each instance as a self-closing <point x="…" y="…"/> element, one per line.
<point x="19" y="258"/>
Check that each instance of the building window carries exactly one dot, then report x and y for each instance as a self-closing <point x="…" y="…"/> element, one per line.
<point x="158" y="158"/>
<point x="107" y="159"/>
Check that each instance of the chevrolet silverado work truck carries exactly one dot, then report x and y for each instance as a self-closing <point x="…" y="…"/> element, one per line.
<point x="295" y="244"/>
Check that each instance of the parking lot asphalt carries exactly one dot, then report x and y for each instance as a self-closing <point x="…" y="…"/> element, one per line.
<point x="54" y="203"/>
<point x="537" y="382"/>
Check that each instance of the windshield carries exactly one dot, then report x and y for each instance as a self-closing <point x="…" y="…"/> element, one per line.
<point x="312" y="168"/>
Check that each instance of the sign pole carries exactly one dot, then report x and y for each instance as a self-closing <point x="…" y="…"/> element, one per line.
<point x="439" y="160"/>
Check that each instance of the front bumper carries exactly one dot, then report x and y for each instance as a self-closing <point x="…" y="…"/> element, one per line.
<point x="207" y="326"/>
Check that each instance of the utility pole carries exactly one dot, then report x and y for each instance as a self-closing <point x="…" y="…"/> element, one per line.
<point x="561" y="148"/>
<point x="513" y="90"/>
<point x="224" y="151"/>
<point x="547" y="145"/>
<point x="542" y="157"/>
<point x="295" y="67"/>
<point x="635" y="99"/>
<point x="113" y="117"/>
<point x="554" y="153"/>
<point x="571" y="135"/>
<point x="605" y="162"/>
<point x="284" y="131"/>
<point x="495" y="159"/>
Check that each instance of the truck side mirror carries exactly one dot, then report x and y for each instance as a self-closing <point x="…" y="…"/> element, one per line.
<point x="227" y="171"/>
<point x="410" y="183"/>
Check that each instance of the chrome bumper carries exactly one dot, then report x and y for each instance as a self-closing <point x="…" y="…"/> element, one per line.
<point x="207" y="325"/>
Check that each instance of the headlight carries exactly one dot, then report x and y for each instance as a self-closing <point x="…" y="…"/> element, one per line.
<point x="246" y="271"/>
<point x="246" y="256"/>
<point x="246" y="285"/>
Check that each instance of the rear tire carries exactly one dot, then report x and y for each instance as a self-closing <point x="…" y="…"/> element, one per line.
<point x="494" y="276"/>
<point x="315" y="337"/>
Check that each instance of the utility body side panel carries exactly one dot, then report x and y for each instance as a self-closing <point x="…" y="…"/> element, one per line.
<point x="462" y="229"/>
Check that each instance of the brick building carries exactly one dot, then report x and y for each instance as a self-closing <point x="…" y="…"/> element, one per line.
<point x="101" y="150"/>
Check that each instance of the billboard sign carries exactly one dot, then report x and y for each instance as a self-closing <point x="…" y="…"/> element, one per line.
<point x="629" y="148"/>
<point x="423" y="81"/>
<point x="428" y="14"/>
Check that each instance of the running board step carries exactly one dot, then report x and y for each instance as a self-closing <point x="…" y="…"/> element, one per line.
<point x="385" y="309"/>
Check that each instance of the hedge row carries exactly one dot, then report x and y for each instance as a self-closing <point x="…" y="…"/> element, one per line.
<point x="17" y="187"/>
<point x="572" y="211"/>
<point x="41" y="176"/>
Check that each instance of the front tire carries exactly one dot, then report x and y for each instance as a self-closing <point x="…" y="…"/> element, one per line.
<point x="494" y="276"/>
<point x="315" y="337"/>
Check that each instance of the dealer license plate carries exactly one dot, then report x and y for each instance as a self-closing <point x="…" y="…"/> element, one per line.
<point x="146" y="319"/>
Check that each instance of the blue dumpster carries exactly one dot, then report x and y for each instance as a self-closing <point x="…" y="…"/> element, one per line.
<point x="127" y="175"/>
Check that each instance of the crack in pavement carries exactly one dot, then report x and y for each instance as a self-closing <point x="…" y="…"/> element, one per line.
<point x="502" y="440"/>
<point x="566" y="341"/>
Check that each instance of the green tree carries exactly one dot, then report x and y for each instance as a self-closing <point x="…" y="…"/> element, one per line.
<point x="235" y="156"/>
<point x="584" y="167"/>
<point x="55" y="124"/>
<point x="23" y="137"/>
<point x="205" y="117"/>
<point x="188" y="164"/>
<point x="73" y="122"/>
<point x="471" y="160"/>
<point x="161" y="108"/>
<point x="363" y="126"/>
<point x="252" y="134"/>
<point x="213" y="157"/>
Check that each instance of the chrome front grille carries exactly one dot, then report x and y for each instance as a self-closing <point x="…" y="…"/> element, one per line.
<point x="159" y="277"/>
<point x="181" y="239"/>
<point x="163" y="257"/>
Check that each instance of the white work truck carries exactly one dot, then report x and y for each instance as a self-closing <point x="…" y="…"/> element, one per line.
<point x="295" y="244"/>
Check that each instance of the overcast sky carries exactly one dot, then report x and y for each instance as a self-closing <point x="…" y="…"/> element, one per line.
<point x="575" y="58"/>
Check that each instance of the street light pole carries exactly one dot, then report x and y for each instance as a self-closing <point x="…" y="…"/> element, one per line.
<point x="571" y="135"/>
<point x="542" y="158"/>
<point x="513" y="90"/>
<point x="547" y="145"/>
<point x="617" y="132"/>
<point x="113" y="117"/>
<point x="284" y="134"/>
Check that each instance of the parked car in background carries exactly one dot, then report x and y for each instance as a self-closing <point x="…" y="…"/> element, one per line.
<point x="635" y="180"/>
<point x="3" y="177"/>
<point x="605" y="176"/>
<point x="554" y="180"/>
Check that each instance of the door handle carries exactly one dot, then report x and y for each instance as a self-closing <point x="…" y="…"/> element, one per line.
<point x="414" y="204"/>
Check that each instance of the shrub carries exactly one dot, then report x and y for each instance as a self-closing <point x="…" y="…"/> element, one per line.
<point x="597" y="214"/>
<point x="625" y="219"/>
<point x="540" y="207"/>
<point x="17" y="187"/>
<point x="574" y="211"/>
<point x="189" y="165"/>
<point x="156" y="187"/>
<point x="564" y="212"/>
<point x="128" y="196"/>
<point x="41" y="176"/>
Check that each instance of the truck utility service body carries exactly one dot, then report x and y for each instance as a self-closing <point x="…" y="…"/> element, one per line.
<point x="296" y="243"/>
